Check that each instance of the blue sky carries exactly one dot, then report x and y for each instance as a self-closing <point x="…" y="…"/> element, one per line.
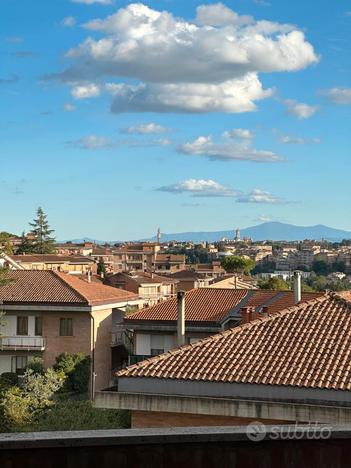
<point x="185" y="115"/>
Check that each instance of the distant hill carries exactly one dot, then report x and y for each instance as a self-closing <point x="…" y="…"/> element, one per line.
<point x="266" y="231"/>
<point x="274" y="231"/>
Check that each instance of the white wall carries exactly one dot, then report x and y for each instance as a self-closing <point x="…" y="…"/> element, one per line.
<point x="142" y="345"/>
<point x="10" y="327"/>
<point x="143" y="342"/>
<point x="5" y="363"/>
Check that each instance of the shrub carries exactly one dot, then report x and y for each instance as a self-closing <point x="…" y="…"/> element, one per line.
<point x="7" y="380"/>
<point x="76" y="368"/>
<point x="80" y="415"/>
<point x="36" y="365"/>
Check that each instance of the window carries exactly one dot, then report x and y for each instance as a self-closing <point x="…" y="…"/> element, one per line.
<point x="22" y="326"/>
<point x="38" y="326"/>
<point x="157" y="345"/>
<point x="19" y="364"/>
<point x="66" y="327"/>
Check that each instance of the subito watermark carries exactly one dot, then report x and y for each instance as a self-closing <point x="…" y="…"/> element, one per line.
<point x="257" y="431"/>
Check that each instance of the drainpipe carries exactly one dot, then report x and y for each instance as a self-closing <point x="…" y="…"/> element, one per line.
<point x="181" y="318"/>
<point x="93" y="375"/>
<point x="297" y="287"/>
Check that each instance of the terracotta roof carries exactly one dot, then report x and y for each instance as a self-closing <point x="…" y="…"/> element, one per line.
<point x="48" y="287"/>
<point x="51" y="258"/>
<point x="202" y="304"/>
<point x="214" y="304"/>
<point x="139" y="278"/>
<point x="308" y="345"/>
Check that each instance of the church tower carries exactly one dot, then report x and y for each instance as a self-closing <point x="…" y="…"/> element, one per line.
<point x="237" y="235"/>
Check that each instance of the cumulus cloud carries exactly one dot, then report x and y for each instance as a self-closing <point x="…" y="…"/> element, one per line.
<point x="68" y="22"/>
<point x="227" y="150"/>
<point x="85" y="91"/>
<point x="91" y="142"/>
<point x="338" y="95"/>
<point x="68" y="107"/>
<point x="209" y="64"/>
<point x="241" y="133"/>
<point x="260" y="196"/>
<point x="299" y="109"/>
<point x="231" y="96"/>
<point x="200" y="188"/>
<point x="296" y="140"/>
<point x="144" y="129"/>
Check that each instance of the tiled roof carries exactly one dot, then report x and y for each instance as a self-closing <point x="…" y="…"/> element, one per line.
<point x="308" y="345"/>
<point x="49" y="287"/>
<point x="139" y="278"/>
<point x="202" y="304"/>
<point x="52" y="258"/>
<point x="214" y="304"/>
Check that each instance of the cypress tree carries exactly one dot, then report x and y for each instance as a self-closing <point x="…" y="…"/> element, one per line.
<point x="44" y="243"/>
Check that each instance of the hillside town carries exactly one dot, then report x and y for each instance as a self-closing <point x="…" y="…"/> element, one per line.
<point x="122" y="311"/>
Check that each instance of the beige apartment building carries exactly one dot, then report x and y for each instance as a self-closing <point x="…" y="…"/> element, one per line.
<point x="72" y="264"/>
<point x="47" y="313"/>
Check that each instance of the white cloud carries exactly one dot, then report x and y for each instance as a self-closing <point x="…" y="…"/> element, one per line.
<point x="144" y="129"/>
<point x="218" y="14"/>
<point x="263" y="218"/>
<point x="85" y="91"/>
<point x="91" y="2"/>
<point x="14" y="39"/>
<point x="68" y="107"/>
<point x="241" y="133"/>
<point x="68" y="22"/>
<point x="260" y="196"/>
<point x="227" y="151"/>
<point x="92" y="142"/>
<point x="338" y="95"/>
<point x="200" y="188"/>
<point x="231" y="96"/>
<point x="299" y="109"/>
<point x="296" y="140"/>
<point x="209" y="64"/>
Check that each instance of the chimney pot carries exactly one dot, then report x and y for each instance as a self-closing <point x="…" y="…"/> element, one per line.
<point x="245" y="314"/>
<point x="297" y="287"/>
<point x="181" y="318"/>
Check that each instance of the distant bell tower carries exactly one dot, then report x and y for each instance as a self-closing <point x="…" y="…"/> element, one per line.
<point x="158" y="236"/>
<point x="237" y="235"/>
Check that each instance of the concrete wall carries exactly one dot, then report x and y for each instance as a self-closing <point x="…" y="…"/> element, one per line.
<point x="238" y="408"/>
<point x="224" y="447"/>
<point x="231" y="390"/>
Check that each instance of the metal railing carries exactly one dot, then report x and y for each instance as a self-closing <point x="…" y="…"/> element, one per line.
<point x="122" y="337"/>
<point x="22" y="343"/>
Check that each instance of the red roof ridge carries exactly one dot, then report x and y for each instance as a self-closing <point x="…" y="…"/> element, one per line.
<point x="230" y="331"/>
<point x="66" y="283"/>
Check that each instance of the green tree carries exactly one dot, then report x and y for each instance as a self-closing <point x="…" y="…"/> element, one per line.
<point x="235" y="264"/>
<point x="5" y="243"/>
<point x="273" y="283"/>
<point x="44" y="243"/>
<point x="26" y="246"/>
<point x="101" y="267"/>
<point x="76" y="368"/>
<point x="320" y="267"/>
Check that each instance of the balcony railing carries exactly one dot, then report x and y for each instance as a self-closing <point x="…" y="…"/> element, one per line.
<point x="121" y="337"/>
<point x="29" y="343"/>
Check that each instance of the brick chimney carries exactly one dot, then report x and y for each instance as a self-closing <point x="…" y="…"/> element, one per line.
<point x="245" y="314"/>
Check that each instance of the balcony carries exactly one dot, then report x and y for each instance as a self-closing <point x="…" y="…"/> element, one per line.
<point x="22" y="343"/>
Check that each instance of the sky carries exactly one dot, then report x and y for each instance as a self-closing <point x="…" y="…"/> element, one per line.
<point x="119" y="117"/>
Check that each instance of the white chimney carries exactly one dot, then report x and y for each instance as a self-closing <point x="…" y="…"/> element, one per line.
<point x="89" y="276"/>
<point x="297" y="287"/>
<point x="181" y="318"/>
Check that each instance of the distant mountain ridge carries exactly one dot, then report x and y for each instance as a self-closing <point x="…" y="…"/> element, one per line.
<point x="273" y="231"/>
